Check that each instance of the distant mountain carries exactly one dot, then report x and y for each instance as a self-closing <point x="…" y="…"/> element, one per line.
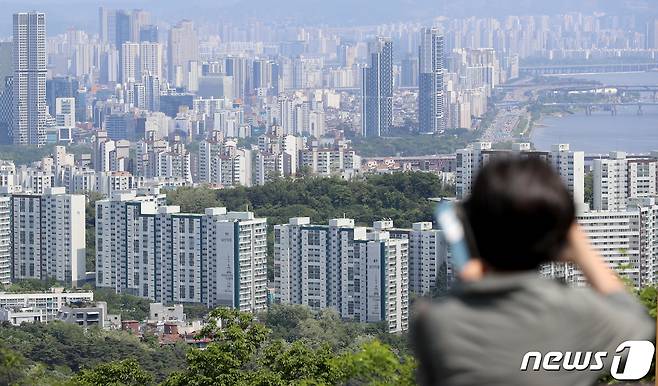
<point x="63" y="14"/>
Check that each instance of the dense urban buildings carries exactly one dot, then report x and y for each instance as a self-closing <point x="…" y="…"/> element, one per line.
<point x="364" y="273"/>
<point x="139" y="104"/>
<point x="151" y="250"/>
<point x="568" y="164"/>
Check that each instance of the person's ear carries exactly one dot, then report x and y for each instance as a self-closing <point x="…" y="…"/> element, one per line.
<point x="473" y="270"/>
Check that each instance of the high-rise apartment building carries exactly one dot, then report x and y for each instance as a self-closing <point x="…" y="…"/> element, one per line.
<point x="65" y="112"/>
<point x="150" y="250"/>
<point x="431" y="90"/>
<point x="617" y="178"/>
<point x="627" y="240"/>
<point x="6" y="110"/>
<point x="183" y="48"/>
<point x="130" y="63"/>
<point x="151" y="59"/>
<point x="362" y="273"/>
<point x="652" y="34"/>
<point x="237" y="67"/>
<point x="224" y="164"/>
<point x="430" y="269"/>
<point x="610" y="182"/>
<point x="29" y="80"/>
<point x="5" y="240"/>
<point x="569" y="164"/>
<point x="48" y="236"/>
<point x="377" y="90"/>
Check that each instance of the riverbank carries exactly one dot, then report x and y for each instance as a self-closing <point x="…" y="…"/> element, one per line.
<point x="538" y="113"/>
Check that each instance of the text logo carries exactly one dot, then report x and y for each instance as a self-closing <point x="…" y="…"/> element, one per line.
<point x="639" y="356"/>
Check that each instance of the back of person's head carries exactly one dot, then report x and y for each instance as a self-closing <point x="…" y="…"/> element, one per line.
<point x="520" y="213"/>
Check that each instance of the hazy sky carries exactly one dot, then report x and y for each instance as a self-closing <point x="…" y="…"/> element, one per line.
<point x="62" y="14"/>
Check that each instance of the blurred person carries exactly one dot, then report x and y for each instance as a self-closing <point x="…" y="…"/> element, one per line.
<point x="521" y="216"/>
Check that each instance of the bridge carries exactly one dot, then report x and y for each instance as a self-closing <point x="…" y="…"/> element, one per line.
<point x="605" y="106"/>
<point x="586" y="68"/>
<point x="612" y="93"/>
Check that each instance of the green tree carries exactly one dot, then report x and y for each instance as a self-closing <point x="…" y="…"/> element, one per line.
<point x="647" y="296"/>
<point x="193" y="200"/>
<point x="127" y="372"/>
<point x="12" y="366"/>
<point x="236" y="337"/>
<point x="128" y="306"/>
<point x="375" y="364"/>
<point x="589" y="188"/>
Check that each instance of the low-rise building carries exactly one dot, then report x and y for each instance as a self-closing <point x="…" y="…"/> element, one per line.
<point x="84" y="314"/>
<point x="51" y="302"/>
<point x="19" y="315"/>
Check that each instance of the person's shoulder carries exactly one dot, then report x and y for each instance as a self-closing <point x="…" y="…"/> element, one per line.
<point x="439" y="311"/>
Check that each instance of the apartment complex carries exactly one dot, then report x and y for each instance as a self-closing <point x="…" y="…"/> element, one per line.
<point x="217" y="258"/>
<point x="618" y="178"/>
<point x="430" y="270"/>
<point x="48" y="236"/>
<point x="627" y="239"/>
<point x="366" y="274"/>
<point x="569" y="164"/>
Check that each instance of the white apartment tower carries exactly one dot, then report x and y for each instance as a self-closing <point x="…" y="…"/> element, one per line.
<point x="48" y="236"/>
<point x="429" y="263"/>
<point x="183" y="48"/>
<point x="610" y="182"/>
<point x="65" y="112"/>
<point x="130" y="62"/>
<point x="469" y="161"/>
<point x="5" y="240"/>
<point x="569" y="164"/>
<point x="29" y="81"/>
<point x="151" y="59"/>
<point x="642" y="179"/>
<point x="153" y="251"/>
<point x="360" y="272"/>
<point x="627" y="239"/>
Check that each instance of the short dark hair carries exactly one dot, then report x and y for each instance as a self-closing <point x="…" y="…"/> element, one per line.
<point x="520" y="212"/>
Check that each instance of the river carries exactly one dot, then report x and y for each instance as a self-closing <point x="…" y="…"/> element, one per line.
<point x="601" y="132"/>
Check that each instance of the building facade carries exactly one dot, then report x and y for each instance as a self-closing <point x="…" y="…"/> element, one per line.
<point x="48" y="236"/>
<point x="431" y="90"/>
<point x="377" y="90"/>
<point x="149" y="250"/>
<point x="362" y="273"/>
<point x="29" y="81"/>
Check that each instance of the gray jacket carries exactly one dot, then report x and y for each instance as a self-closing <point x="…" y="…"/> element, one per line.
<point x="480" y="333"/>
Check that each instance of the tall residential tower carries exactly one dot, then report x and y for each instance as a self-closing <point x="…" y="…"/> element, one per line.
<point x="431" y="92"/>
<point x="29" y="82"/>
<point x="377" y="90"/>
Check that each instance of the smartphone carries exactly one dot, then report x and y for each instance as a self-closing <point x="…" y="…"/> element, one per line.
<point x="451" y="220"/>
